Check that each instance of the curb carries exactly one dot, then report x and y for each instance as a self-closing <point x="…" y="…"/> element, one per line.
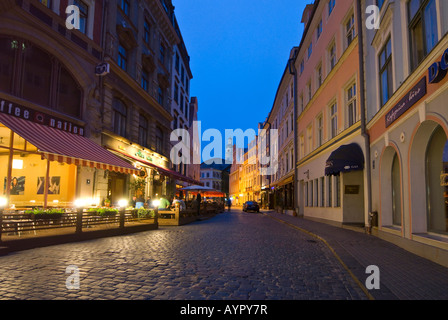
<point x="357" y="281"/>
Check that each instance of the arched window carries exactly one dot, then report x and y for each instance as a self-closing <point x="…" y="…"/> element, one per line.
<point x="435" y="166"/>
<point x="396" y="191"/>
<point x="29" y="72"/>
<point x="68" y="94"/>
<point x="7" y="57"/>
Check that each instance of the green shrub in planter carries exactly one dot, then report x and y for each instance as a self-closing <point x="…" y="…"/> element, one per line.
<point x="107" y="212"/>
<point x="145" y="213"/>
<point x="46" y="214"/>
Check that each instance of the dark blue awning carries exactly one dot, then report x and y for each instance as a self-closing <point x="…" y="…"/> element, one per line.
<point x="344" y="159"/>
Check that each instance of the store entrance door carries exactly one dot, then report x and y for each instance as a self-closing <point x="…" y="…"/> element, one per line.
<point x="117" y="187"/>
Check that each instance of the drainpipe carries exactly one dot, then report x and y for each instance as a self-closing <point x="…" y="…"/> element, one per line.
<point x="293" y="71"/>
<point x="363" y="111"/>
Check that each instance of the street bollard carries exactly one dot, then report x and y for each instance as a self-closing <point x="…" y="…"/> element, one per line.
<point x="122" y="212"/>
<point x="79" y="220"/>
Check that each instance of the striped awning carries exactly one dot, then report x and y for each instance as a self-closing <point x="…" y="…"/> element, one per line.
<point x="62" y="146"/>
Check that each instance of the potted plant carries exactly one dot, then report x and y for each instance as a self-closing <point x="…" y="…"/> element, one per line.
<point x="107" y="202"/>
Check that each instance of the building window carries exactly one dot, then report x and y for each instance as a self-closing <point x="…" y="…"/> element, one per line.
<point x="330" y="191"/>
<point x="292" y="122"/>
<point x="319" y="29"/>
<point x="337" y="189"/>
<point x="176" y="93"/>
<point x="334" y="120"/>
<point x="175" y="123"/>
<point x="177" y="65"/>
<point x="302" y="66"/>
<point x="37" y="75"/>
<point x="310" y="50"/>
<point x="68" y="94"/>
<point x="310" y="93"/>
<point x="316" y="192"/>
<point x="83" y="15"/>
<point x="46" y="3"/>
<point x="182" y="74"/>
<point x="320" y="130"/>
<point x="302" y="146"/>
<point x="332" y="55"/>
<point x="162" y="54"/>
<point x="160" y="96"/>
<point x="331" y="5"/>
<point x="385" y="63"/>
<point x="302" y="104"/>
<point x="306" y="194"/>
<point x="119" y="117"/>
<point x="143" y="131"/>
<point x="319" y="75"/>
<point x="122" y="57"/>
<point x="34" y="75"/>
<point x="322" y="191"/>
<point x="159" y="140"/>
<point x="147" y="32"/>
<point x="309" y="136"/>
<point x="396" y="191"/>
<point x="124" y="6"/>
<point x="351" y="105"/>
<point x="422" y="29"/>
<point x="311" y="201"/>
<point x="145" y="81"/>
<point x="350" y="29"/>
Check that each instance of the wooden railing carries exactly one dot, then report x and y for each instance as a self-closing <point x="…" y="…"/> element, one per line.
<point x="18" y="223"/>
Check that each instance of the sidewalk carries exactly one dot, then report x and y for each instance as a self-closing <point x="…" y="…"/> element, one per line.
<point x="403" y="275"/>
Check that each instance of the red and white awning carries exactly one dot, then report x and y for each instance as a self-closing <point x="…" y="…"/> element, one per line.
<point x="62" y="146"/>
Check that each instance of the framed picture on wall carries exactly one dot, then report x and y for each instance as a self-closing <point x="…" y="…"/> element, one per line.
<point x="54" y="185"/>
<point x="17" y="186"/>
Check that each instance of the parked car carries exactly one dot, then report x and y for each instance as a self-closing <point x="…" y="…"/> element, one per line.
<point x="251" y="206"/>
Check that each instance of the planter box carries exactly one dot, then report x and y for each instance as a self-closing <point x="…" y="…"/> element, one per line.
<point x="47" y="216"/>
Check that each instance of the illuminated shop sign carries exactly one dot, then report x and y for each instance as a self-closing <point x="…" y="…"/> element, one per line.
<point x="22" y="112"/>
<point x="437" y="71"/>
<point x="411" y="98"/>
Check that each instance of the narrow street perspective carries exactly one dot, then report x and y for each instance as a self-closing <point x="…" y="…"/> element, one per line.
<point x="233" y="256"/>
<point x="218" y="151"/>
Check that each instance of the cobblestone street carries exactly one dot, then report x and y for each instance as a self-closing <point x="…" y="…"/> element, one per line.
<point x="231" y="256"/>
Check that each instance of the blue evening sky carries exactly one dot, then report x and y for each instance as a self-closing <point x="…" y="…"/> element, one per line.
<point x="238" y="51"/>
